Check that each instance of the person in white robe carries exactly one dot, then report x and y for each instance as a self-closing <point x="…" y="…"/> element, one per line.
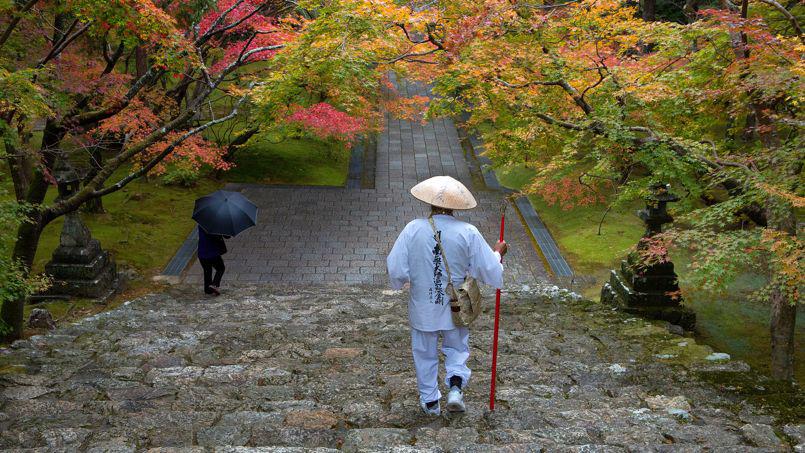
<point x="416" y="260"/>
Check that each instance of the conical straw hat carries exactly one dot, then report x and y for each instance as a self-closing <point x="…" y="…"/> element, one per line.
<point x="444" y="192"/>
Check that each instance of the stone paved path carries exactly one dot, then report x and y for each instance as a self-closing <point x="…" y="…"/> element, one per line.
<point x="331" y="368"/>
<point x="321" y="235"/>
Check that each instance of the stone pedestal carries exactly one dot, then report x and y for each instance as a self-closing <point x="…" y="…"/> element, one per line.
<point x="650" y="291"/>
<point x="645" y="292"/>
<point x="80" y="267"/>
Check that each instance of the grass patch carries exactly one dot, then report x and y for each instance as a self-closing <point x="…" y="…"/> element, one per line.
<point x="144" y="224"/>
<point x="576" y="230"/>
<point x="296" y="162"/>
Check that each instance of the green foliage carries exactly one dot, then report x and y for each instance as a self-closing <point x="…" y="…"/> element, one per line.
<point x="181" y="175"/>
<point x="721" y="256"/>
<point x="15" y="281"/>
<point x="16" y="285"/>
<point x="19" y="93"/>
<point x="335" y="60"/>
<point x="596" y="100"/>
<point x="136" y="23"/>
<point x="576" y="230"/>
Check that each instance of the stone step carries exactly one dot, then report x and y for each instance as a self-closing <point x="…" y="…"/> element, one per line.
<point x="329" y="368"/>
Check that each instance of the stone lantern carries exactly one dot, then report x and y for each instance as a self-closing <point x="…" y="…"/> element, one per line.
<point x="79" y="266"/>
<point x="651" y="291"/>
<point x="656" y="212"/>
<point x="67" y="179"/>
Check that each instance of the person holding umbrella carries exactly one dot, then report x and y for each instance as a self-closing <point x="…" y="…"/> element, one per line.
<point x="424" y="254"/>
<point x="211" y="247"/>
<point x="220" y="215"/>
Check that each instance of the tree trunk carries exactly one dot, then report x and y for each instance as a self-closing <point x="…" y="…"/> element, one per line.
<point x="28" y="233"/>
<point x="94" y="206"/>
<point x="691" y="10"/>
<point x="140" y="61"/>
<point x="783" y="310"/>
<point x="12" y="312"/>
<point x="647" y="10"/>
<point x="233" y="146"/>
<point x="21" y="168"/>
<point x="238" y="141"/>
<point x="783" y="320"/>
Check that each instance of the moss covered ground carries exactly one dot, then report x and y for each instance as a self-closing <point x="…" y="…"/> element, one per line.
<point x="302" y="162"/>
<point x="576" y="230"/>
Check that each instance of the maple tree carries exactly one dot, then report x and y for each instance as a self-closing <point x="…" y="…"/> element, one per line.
<point x="600" y="102"/>
<point x="325" y="121"/>
<point x="333" y="72"/>
<point x="77" y="80"/>
<point x="137" y="83"/>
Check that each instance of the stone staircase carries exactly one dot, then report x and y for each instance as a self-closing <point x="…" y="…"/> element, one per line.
<point x="281" y="369"/>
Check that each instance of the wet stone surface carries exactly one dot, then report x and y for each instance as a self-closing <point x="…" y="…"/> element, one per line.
<point x="315" y="235"/>
<point x="330" y="368"/>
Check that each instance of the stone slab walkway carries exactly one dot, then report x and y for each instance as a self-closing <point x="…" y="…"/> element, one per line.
<point x="268" y="368"/>
<point x="327" y="234"/>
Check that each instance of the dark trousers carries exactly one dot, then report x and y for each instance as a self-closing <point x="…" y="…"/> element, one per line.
<point x="208" y="264"/>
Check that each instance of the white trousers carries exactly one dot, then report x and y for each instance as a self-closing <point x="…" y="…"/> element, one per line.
<point x="456" y="350"/>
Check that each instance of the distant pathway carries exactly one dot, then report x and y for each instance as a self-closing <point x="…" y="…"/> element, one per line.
<point x="327" y="234"/>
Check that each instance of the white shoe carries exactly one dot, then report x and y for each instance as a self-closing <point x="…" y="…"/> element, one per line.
<point x="455" y="400"/>
<point x="435" y="410"/>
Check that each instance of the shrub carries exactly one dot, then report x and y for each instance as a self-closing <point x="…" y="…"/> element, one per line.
<point x="181" y="175"/>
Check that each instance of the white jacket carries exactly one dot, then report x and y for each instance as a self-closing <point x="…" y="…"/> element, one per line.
<point x="415" y="259"/>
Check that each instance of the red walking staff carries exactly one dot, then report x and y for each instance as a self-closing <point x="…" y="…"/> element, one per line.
<point x="497" y="320"/>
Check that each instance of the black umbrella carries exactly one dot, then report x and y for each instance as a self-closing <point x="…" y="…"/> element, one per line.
<point x="226" y="213"/>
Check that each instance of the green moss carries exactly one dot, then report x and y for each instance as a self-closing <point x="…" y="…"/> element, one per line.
<point x="780" y="399"/>
<point x="300" y="161"/>
<point x="783" y="401"/>
<point x="64" y="309"/>
<point x="682" y="350"/>
<point x="641" y="329"/>
<point x="576" y="230"/>
<point x="144" y="224"/>
<point x="12" y="369"/>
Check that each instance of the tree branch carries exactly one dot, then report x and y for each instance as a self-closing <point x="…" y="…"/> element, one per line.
<point x="212" y="31"/>
<point x="111" y="60"/>
<point x="564" y="124"/>
<point x="791" y="18"/>
<point x="527" y="84"/>
<point x="411" y="56"/>
<point x="546" y="7"/>
<point x="161" y="156"/>
<point x="148" y="78"/>
<point x="578" y="99"/>
<point x="92" y="189"/>
<point x="242" y="58"/>
<point x="62" y="44"/>
<point x="12" y="24"/>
